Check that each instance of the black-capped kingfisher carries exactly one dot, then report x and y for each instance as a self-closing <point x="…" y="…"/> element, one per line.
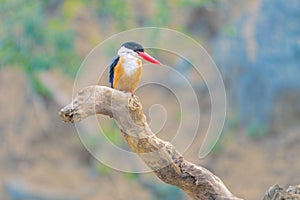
<point x="125" y="71"/>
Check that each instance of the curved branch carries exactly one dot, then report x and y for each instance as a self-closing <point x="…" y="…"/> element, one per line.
<point x="161" y="156"/>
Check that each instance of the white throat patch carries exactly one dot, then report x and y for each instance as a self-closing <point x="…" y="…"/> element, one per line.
<point x="130" y="60"/>
<point x="130" y="64"/>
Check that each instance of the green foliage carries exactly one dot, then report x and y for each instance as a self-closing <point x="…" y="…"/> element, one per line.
<point x="163" y="15"/>
<point x="122" y="11"/>
<point x="164" y="191"/>
<point x="179" y="116"/>
<point x="112" y="132"/>
<point x="195" y="3"/>
<point x="230" y="30"/>
<point x="114" y="9"/>
<point x="35" y="35"/>
<point x="34" y="41"/>
<point x="160" y="190"/>
<point x="70" y="8"/>
<point x="40" y="88"/>
<point x="92" y="141"/>
<point x="103" y="169"/>
<point x="131" y="176"/>
<point x="217" y="147"/>
<point x="227" y="136"/>
<point x="257" y="130"/>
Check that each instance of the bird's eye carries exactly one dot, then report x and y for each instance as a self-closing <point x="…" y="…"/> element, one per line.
<point x="137" y="50"/>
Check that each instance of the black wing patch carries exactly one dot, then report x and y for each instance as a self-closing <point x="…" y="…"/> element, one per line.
<point x="112" y="70"/>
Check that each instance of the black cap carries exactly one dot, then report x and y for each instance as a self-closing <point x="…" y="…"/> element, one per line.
<point x="136" y="47"/>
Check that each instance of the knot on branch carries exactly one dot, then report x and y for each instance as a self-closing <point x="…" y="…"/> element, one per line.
<point x="81" y="107"/>
<point x="134" y="103"/>
<point x="136" y="110"/>
<point x="277" y="193"/>
<point x="67" y="114"/>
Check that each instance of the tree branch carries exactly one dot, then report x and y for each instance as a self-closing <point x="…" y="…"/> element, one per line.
<point x="279" y="193"/>
<point x="161" y="156"/>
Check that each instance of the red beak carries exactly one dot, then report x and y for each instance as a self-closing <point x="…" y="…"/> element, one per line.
<point x="148" y="57"/>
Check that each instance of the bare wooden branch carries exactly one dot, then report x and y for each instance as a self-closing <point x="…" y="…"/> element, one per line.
<point x="161" y="156"/>
<point x="278" y="193"/>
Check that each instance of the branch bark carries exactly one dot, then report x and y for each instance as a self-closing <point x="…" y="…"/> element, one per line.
<point x="161" y="156"/>
<point x="279" y="193"/>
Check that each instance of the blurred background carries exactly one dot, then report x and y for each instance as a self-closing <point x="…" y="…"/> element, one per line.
<point x="255" y="44"/>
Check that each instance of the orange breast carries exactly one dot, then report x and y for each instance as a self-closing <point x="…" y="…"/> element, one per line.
<point x="127" y="82"/>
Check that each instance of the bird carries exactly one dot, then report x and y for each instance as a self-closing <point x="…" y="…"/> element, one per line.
<point x="125" y="71"/>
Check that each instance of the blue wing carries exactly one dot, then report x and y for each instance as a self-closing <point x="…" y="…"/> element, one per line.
<point x="112" y="70"/>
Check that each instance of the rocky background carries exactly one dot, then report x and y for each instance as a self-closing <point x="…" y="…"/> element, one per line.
<point x="255" y="44"/>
